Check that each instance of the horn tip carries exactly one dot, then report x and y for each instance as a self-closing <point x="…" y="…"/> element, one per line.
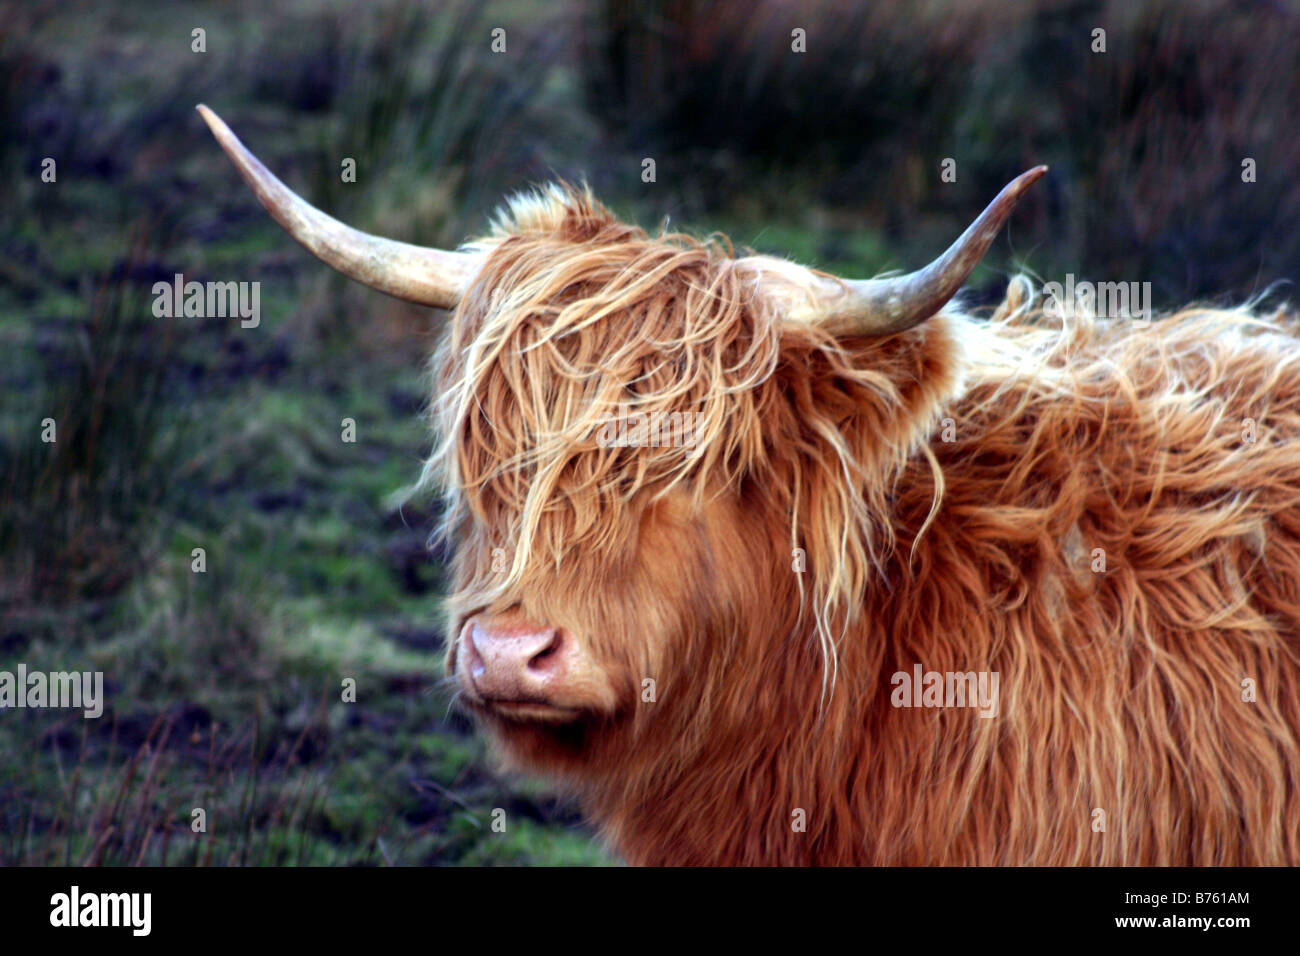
<point x="215" y="122"/>
<point x="1017" y="186"/>
<point x="1031" y="176"/>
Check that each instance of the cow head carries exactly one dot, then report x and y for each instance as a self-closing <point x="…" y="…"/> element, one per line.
<point x="666" y="468"/>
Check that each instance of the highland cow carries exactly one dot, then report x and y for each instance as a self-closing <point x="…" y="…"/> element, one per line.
<point x="727" y="655"/>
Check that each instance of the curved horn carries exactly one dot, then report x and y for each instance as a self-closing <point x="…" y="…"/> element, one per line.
<point x="884" y="306"/>
<point x="414" y="273"/>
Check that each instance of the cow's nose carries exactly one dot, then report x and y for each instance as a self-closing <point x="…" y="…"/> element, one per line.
<point x="515" y="664"/>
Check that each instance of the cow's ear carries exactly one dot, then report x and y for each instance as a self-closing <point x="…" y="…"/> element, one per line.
<point x="882" y="393"/>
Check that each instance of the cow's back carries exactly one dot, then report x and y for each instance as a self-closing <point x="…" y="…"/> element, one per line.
<point x="1119" y="540"/>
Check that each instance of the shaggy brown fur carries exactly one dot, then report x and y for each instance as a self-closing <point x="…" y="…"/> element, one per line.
<point x="1121" y="689"/>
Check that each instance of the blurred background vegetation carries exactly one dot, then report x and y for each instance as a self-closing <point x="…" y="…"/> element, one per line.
<point x="224" y="687"/>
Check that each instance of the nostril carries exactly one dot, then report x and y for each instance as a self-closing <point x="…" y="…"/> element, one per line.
<point x="548" y="657"/>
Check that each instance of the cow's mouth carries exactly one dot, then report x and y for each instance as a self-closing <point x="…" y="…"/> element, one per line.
<point x="529" y="711"/>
